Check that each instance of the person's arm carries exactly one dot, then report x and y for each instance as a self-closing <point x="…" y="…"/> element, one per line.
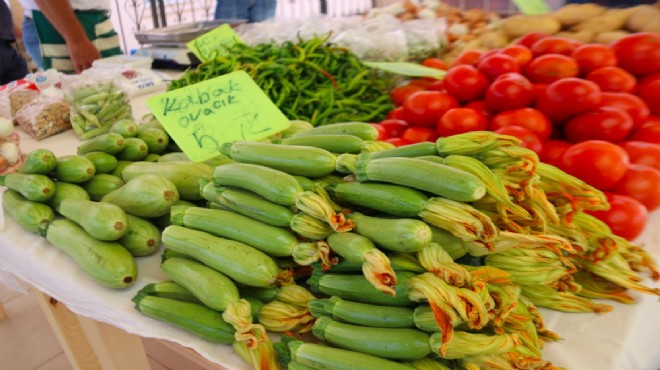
<point x="60" y="14"/>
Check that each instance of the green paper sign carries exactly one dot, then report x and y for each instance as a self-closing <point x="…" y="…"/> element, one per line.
<point x="532" y="7"/>
<point x="214" y="42"/>
<point x="203" y="116"/>
<point x="408" y="69"/>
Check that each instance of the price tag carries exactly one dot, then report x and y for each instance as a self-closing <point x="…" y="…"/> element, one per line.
<point x="203" y="116"/>
<point x="214" y="42"/>
<point x="408" y="69"/>
<point x="532" y="7"/>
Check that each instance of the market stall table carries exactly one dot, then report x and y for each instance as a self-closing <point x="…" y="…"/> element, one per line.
<point x="626" y="338"/>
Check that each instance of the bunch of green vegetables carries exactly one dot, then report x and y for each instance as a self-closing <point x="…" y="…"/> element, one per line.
<point x="309" y="80"/>
<point x="94" y="108"/>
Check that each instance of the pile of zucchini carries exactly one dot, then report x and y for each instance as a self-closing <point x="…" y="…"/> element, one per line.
<point x="428" y="256"/>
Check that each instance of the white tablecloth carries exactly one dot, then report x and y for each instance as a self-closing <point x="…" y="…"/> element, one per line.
<point x="626" y="339"/>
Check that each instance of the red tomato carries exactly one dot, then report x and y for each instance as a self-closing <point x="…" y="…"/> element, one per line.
<point x="553" y="45"/>
<point x="421" y="82"/>
<point x="529" y="118"/>
<point x="479" y="106"/>
<point x="593" y="56"/>
<point x="510" y="91"/>
<point x="641" y="152"/>
<point x="599" y="163"/>
<point x="567" y="97"/>
<point x="470" y="57"/>
<point x="527" y="138"/>
<point x="520" y="53"/>
<point x="397" y="141"/>
<point x="497" y="64"/>
<point x="649" y="131"/>
<point x="552" y="151"/>
<point x="613" y="79"/>
<point x="419" y="134"/>
<point x="396" y="113"/>
<point x="435" y="63"/>
<point x="601" y="123"/>
<point x="399" y="94"/>
<point x="394" y="127"/>
<point x="628" y="102"/>
<point x="649" y="91"/>
<point x="437" y="85"/>
<point x="459" y="120"/>
<point x="538" y="89"/>
<point x="642" y="183"/>
<point x="424" y="108"/>
<point x="382" y="133"/>
<point x="465" y="83"/>
<point x="626" y="216"/>
<point x="549" y="68"/>
<point x="638" y="53"/>
<point x="529" y="39"/>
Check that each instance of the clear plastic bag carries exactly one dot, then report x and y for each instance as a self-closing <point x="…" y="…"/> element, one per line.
<point x="44" y="117"/>
<point x="96" y="102"/>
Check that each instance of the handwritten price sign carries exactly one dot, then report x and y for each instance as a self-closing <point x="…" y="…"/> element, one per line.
<point x="213" y="43"/>
<point x="203" y="116"/>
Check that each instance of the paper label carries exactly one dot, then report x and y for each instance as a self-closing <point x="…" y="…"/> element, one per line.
<point x="203" y="116"/>
<point x="213" y="43"/>
<point x="532" y="7"/>
<point x="408" y="69"/>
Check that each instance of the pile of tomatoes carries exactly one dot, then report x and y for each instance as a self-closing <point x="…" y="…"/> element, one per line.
<point x="592" y="110"/>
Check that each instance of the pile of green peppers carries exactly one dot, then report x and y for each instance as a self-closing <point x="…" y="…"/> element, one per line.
<point x="310" y="80"/>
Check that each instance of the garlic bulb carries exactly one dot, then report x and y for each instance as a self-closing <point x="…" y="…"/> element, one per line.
<point x="6" y="127"/>
<point x="10" y="152"/>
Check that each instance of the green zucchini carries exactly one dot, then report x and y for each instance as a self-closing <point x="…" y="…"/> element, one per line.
<point x="100" y="185"/>
<point x="305" y="183"/>
<point x="185" y="175"/>
<point x="152" y="157"/>
<point x="39" y="161"/>
<point x="165" y="220"/>
<point x="296" y="126"/>
<point x="174" y="157"/>
<point x="135" y="149"/>
<point x="124" y="127"/>
<point x="242" y="263"/>
<point x="272" y="240"/>
<point x="412" y="150"/>
<point x="104" y="221"/>
<point x="211" y="287"/>
<point x="111" y="143"/>
<point x="453" y="245"/>
<point x="403" y="344"/>
<point x="142" y="238"/>
<point x="292" y="159"/>
<point x="425" y="320"/>
<point x="331" y="143"/>
<point x="392" y="199"/>
<point x="375" y="264"/>
<point x="30" y="216"/>
<point x="400" y="235"/>
<point x="64" y="190"/>
<point x="358" y="289"/>
<point x="363" y="314"/>
<point x="145" y="196"/>
<point x="103" y="162"/>
<point x="248" y="204"/>
<point x="34" y="187"/>
<point x="435" y="178"/>
<point x="169" y="289"/>
<point x="310" y="227"/>
<point x="325" y="357"/>
<point x="263" y="294"/>
<point x="74" y="168"/>
<point x="107" y="262"/>
<point x="362" y="130"/>
<point x="155" y="138"/>
<point x="120" y="167"/>
<point x="195" y="318"/>
<point x="276" y="186"/>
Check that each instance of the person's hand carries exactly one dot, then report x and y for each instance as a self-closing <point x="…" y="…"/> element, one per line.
<point x="82" y="54"/>
<point x="18" y="32"/>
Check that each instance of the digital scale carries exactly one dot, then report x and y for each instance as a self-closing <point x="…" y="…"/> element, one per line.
<point x="167" y="45"/>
